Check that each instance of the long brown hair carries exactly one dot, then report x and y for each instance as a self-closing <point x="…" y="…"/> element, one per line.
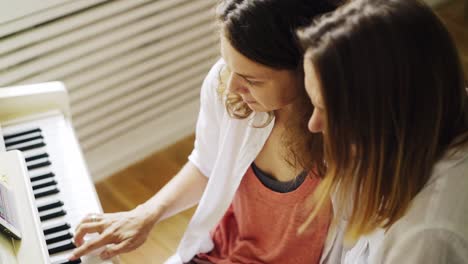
<point x="264" y="31"/>
<point x="394" y="96"/>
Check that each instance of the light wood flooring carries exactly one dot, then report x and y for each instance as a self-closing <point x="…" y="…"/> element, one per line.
<point x="132" y="186"/>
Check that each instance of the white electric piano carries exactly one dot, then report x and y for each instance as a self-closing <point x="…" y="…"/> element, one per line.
<point x="41" y="161"/>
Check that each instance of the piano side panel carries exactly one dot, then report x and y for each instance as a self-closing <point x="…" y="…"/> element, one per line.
<point x="32" y="248"/>
<point x="7" y="254"/>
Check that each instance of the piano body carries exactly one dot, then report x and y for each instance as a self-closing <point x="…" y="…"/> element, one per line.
<point x="43" y="165"/>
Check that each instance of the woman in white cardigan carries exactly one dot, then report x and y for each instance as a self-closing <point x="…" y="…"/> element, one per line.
<point x="249" y="104"/>
<point x="389" y="96"/>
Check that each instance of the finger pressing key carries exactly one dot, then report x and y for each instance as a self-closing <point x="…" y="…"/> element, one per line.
<point x="86" y="228"/>
<point x="89" y="246"/>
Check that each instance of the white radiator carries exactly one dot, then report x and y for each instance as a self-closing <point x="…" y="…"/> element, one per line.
<point x="133" y="68"/>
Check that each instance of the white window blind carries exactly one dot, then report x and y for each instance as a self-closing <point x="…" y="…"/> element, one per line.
<point x="133" y="68"/>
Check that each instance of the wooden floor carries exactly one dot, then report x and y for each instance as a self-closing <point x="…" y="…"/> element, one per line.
<point x="132" y="186"/>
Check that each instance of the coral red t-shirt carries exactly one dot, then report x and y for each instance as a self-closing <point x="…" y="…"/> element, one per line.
<point x="261" y="226"/>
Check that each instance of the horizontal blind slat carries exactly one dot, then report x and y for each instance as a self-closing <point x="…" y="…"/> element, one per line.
<point x="85" y="97"/>
<point x="136" y="56"/>
<point x="101" y="42"/>
<point x="68" y="23"/>
<point x="94" y="66"/>
<point x="95" y="139"/>
<point x="101" y="112"/>
<point x="78" y="34"/>
<point x="46" y="15"/>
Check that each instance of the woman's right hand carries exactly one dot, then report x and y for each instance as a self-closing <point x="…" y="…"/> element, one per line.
<point x="119" y="232"/>
<point x="126" y="231"/>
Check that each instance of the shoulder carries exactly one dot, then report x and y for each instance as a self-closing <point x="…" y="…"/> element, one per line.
<point x="212" y="79"/>
<point x="436" y="219"/>
<point x="210" y="100"/>
<point x="424" y="245"/>
<point x="442" y="202"/>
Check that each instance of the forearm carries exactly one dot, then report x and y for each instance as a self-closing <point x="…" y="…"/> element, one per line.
<point x="180" y="193"/>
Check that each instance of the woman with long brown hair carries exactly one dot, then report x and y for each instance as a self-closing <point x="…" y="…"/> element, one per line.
<point x="251" y="168"/>
<point x="390" y="100"/>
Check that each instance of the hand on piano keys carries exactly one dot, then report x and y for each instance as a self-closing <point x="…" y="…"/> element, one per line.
<point x="118" y="233"/>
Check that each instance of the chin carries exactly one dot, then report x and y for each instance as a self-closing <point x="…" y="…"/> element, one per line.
<point x="257" y="108"/>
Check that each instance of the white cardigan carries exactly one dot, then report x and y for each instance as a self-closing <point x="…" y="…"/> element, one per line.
<point x="224" y="149"/>
<point x="435" y="227"/>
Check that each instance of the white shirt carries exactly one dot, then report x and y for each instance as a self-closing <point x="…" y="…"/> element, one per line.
<point x="434" y="228"/>
<point x="224" y="149"/>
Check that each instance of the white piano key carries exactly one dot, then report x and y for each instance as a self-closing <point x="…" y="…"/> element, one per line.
<point x="39" y="182"/>
<point x="34" y="152"/>
<point x="34" y="162"/>
<point x="58" y="220"/>
<point x="46" y="189"/>
<point x="50" y="205"/>
<point x="51" y="211"/>
<point x="57" y="234"/>
<point x="40" y="171"/>
<point x="47" y="199"/>
<point x="27" y="136"/>
<point x="25" y="144"/>
<point x="55" y="246"/>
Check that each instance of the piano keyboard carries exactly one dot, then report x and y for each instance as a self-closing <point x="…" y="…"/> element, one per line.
<point x="56" y="171"/>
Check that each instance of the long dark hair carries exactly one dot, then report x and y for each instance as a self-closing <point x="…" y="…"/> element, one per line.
<point x="395" y="102"/>
<point x="264" y="31"/>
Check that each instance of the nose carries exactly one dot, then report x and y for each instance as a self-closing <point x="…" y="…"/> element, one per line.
<point x="235" y="85"/>
<point x="316" y="122"/>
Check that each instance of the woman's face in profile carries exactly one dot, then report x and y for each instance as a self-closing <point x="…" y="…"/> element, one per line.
<point x="312" y="85"/>
<point x="261" y="87"/>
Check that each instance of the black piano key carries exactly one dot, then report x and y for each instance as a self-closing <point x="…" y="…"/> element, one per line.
<point x="44" y="184"/>
<point x="42" y="176"/>
<point x="58" y="238"/>
<point x="51" y="205"/>
<point x="39" y="165"/>
<point x="36" y="157"/>
<point x="29" y="147"/>
<point x="15" y="142"/>
<point x="18" y="134"/>
<point x="60" y="247"/>
<point x="66" y="261"/>
<point x="43" y="193"/>
<point x="53" y="215"/>
<point x="56" y="228"/>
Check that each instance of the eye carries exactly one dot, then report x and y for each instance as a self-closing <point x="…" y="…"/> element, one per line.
<point x="253" y="83"/>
